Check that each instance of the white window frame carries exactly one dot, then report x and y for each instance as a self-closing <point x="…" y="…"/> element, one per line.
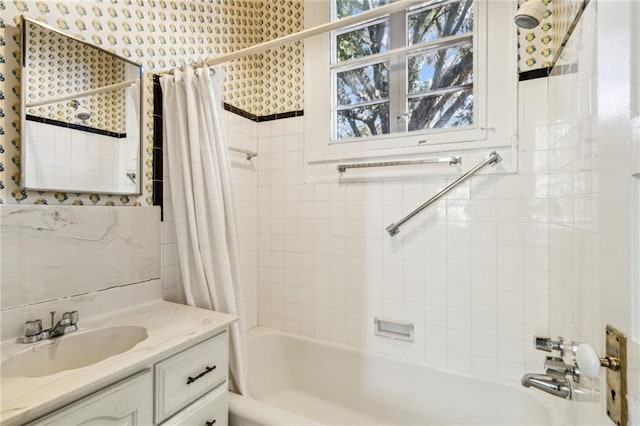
<point x="495" y="105"/>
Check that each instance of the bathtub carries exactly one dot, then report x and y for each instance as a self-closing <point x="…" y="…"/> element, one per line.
<point x="296" y="380"/>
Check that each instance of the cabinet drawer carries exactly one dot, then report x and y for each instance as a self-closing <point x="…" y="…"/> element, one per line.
<point x="127" y="402"/>
<point x="209" y="410"/>
<point x="190" y="374"/>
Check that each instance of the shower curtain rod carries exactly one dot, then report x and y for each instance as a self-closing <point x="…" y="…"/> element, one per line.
<point x="313" y="31"/>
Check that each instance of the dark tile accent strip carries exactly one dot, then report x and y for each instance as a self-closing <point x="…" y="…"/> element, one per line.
<point x="158" y="166"/>
<point x="240" y="112"/>
<point x="530" y="75"/>
<point x="262" y="118"/>
<point x="280" y="116"/>
<point x="73" y="126"/>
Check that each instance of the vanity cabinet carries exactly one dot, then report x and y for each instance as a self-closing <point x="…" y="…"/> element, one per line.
<point x="211" y="409"/>
<point x="128" y="402"/>
<point x="188" y="375"/>
<point x="186" y="388"/>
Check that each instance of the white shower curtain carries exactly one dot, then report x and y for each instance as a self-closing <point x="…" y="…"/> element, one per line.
<point x="203" y="201"/>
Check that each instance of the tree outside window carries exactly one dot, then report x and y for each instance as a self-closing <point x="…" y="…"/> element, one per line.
<point x="407" y="72"/>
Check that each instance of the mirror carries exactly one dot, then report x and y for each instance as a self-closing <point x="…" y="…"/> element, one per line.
<point x="81" y="115"/>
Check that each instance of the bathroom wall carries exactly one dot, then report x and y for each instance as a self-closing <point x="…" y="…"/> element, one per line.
<point x="593" y="98"/>
<point x="77" y="67"/>
<point x="540" y="47"/>
<point x="158" y="34"/>
<point x="57" y="258"/>
<point x="470" y="272"/>
<point x="574" y="188"/>
<point x="162" y="34"/>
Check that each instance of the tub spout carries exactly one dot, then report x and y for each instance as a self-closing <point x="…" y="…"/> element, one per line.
<point x="554" y="385"/>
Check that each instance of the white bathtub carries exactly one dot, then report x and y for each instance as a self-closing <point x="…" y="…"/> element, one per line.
<point x="296" y="380"/>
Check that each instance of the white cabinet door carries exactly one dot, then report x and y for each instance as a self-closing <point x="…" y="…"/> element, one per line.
<point x="212" y="409"/>
<point x="129" y="402"/>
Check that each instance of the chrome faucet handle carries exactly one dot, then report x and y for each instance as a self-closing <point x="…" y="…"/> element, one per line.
<point x="547" y="344"/>
<point x="72" y="316"/>
<point x="32" y="328"/>
<point x="555" y="366"/>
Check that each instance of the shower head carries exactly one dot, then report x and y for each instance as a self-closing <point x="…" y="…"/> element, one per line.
<point x="529" y="14"/>
<point x="83" y="115"/>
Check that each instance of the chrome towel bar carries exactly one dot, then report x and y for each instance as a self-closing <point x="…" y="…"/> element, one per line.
<point x="249" y="154"/>
<point x="492" y="159"/>
<point x="455" y="160"/>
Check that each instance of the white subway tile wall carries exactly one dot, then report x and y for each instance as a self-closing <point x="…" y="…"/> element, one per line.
<point x="470" y="272"/>
<point x="242" y="133"/>
<point x="574" y="194"/>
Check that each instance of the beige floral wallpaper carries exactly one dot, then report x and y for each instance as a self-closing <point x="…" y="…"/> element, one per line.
<point x="281" y="70"/>
<point x="56" y="66"/>
<point x="539" y="47"/>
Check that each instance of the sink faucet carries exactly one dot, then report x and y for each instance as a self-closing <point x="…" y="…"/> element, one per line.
<point x="552" y="384"/>
<point x="34" y="332"/>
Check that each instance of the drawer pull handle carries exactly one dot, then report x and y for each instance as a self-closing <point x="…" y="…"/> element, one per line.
<point x="207" y="370"/>
<point x="211" y="423"/>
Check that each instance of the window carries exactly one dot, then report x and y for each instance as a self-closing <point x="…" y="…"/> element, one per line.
<point x="410" y="71"/>
<point x="429" y="78"/>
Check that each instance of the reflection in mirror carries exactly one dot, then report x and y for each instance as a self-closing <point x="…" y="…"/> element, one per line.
<point x="81" y="115"/>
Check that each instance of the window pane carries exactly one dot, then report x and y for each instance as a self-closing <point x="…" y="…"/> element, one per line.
<point x="369" y="120"/>
<point x="453" y="109"/>
<point x="440" y="69"/>
<point x="363" y="42"/>
<point x="369" y="83"/>
<point x="449" y="20"/>
<point x="346" y="8"/>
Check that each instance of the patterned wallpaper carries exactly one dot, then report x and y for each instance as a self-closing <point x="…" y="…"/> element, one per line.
<point x="539" y="47"/>
<point x="282" y="69"/>
<point x="564" y="12"/>
<point x="56" y="66"/>
<point x="536" y="47"/>
<point x="160" y="34"/>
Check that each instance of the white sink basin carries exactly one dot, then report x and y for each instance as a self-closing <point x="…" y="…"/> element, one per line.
<point x="74" y="350"/>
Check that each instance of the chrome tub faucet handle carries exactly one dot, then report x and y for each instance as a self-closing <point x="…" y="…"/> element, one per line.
<point x="547" y="344"/>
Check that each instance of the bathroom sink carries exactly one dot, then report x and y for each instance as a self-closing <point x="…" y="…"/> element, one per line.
<point x="74" y="350"/>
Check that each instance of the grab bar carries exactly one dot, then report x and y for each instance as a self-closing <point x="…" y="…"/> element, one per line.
<point x="492" y="159"/>
<point x="455" y="160"/>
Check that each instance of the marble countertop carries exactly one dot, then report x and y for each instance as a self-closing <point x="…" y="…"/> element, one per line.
<point x="170" y="328"/>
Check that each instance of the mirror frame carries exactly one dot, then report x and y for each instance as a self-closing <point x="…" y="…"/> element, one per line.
<point x="23" y="120"/>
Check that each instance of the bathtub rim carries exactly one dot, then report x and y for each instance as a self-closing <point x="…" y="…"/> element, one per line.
<point x="550" y="403"/>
